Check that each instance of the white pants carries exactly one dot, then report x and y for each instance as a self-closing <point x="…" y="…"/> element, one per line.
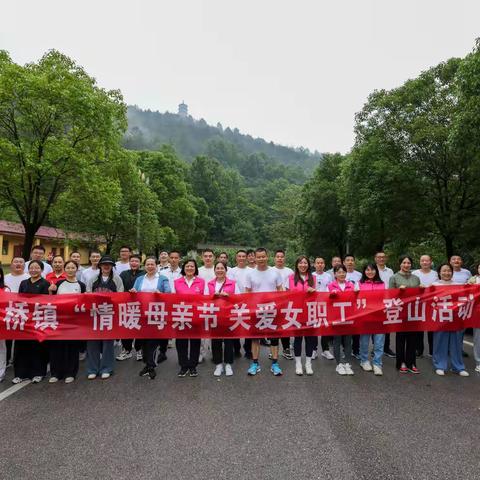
<point x="3" y="358"/>
<point x="204" y="347"/>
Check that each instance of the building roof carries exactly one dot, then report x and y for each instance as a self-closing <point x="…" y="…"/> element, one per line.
<point x="50" y="233"/>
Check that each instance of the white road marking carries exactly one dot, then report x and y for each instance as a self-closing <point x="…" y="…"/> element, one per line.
<point x="470" y="344"/>
<point x="10" y="391"/>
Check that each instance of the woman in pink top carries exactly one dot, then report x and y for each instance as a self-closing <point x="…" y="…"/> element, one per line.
<point x="341" y="284"/>
<point x="371" y="281"/>
<point x="222" y="350"/>
<point x="303" y="281"/>
<point x="189" y="284"/>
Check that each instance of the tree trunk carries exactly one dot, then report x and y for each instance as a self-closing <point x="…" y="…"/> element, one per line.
<point x="30" y="231"/>
<point x="449" y="245"/>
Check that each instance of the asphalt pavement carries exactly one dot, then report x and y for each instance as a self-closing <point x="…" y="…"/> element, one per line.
<point x="325" y="426"/>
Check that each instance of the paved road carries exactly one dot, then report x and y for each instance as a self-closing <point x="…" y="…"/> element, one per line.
<point x="325" y="426"/>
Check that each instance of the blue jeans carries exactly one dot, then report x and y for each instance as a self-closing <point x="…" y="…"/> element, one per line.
<point x="445" y="343"/>
<point x="378" y="343"/>
<point x="100" y="356"/>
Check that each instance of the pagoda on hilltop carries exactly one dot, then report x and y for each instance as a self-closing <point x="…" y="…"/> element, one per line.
<point x="183" y="110"/>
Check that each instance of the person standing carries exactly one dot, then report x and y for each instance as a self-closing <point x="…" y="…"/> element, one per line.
<point x="263" y="279"/>
<point x="92" y="271"/>
<point x="188" y="349"/>
<point x="385" y="274"/>
<point x="475" y="280"/>
<point x="461" y="275"/>
<point x="369" y="282"/>
<point x="285" y="273"/>
<point x="334" y="262"/>
<point x="173" y="271"/>
<point x="3" y="345"/>
<point x="31" y="356"/>
<point x="251" y="259"/>
<point x="447" y="345"/>
<point x="222" y="350"/>
<point x="124" y="263"/>
<point x="405" y="342"/>
<point x="76" y="257"/>
<point x="100" y="353"/>
<point x="341" y="284"/>
<point x="58" y="273"/>
<point x="152" y="281"/>
<point x="129" y="278"/>
<point x="427" y="277"/>
<point x="64" y="358"/>
<point x="163" y="263"/>
<point x="223" y="257"/>
<point x="207" y="273"/>
<point x="38" y="253"/>
<point x="322" y="280"/>
<point x="303" y="281"/>
<point x="353" y="276"/>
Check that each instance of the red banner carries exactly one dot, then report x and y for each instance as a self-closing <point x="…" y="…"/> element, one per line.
<point x="253" y="315"/>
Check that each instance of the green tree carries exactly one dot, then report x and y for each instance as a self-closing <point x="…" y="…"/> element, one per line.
<point x="55" y="122"/>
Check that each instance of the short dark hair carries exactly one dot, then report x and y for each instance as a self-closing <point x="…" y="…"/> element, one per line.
<point x="188" y="260"/>
<point x="339" y="267"/>
<point x="260" y="250"/>
<point x="241" y="251"/>
<point x="57" y="256"/>
<point x="403" y="257"/>
<point x="125" y="246"/>
<point x="75" y="251"/>
<point x="250" y="251"/>
<point x="175" y="251"/>
<point x="208" y="250"/>
<point x="445" y="264"/>
<point x="68" y="262"/>
<point x="280" y="251"/>
<point x="150" y="257"/>
<point x="223" y="253"/>
<point x="38" y="262"/>
<point x="223" y="263"/>
<point x="348" y="255"/>
<point x="137" y="256"/>
<point x="38" y="247"/>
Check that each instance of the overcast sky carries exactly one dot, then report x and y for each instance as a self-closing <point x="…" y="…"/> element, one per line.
<point x="294" y="72"/>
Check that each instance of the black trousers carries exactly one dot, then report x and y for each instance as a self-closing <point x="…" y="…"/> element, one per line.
<point x="386" y="345"/>
<point x="420" y="343"/>
<point x="405" y="345"/>
<point x="149" y="346"/>
<point x="247" y="345"/>
<point x="356" y="344"/>
<point x="188" y="358"/>
<point x="222" y="351"/>
<point x="325" y="342"/>
<point x="237" y="347"/>
<point x="128" y="344"/>
<point x="30" y="359"/>
<point x="9" y="344"/>
<point x="310" y="343"/>
<point x="64" y="358"/>
<point x="285" y="343"/>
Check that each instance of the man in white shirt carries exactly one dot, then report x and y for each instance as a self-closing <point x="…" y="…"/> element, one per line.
<point x="335" y="262"/>
<point x="385" y="274"/>
<point x="263" y="279"/>
<point x="17" y="274"/>
<point x="223" y="257"/>
<point x="427" y="277"/>
<point x="174" y="271"/>
<point x="76" y="257"/>
<point x="124" y="263"/>
<point x="38" y="253"/>
<point x="251" y="259"/>
<point x="92" y="271"/>
<point x="206" y="271"/>
<point x="239" y="275"/>
<point x="460" y="275"/>
<point x="285" y="272"/>
<point x="353" y="276"/>
<point x="163" y="264"/>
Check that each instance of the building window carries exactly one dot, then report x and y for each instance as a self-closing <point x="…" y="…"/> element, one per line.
<point x="5" y="246"/>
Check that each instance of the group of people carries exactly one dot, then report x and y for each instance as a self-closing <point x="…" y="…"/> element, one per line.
<point x="251" y="273"/>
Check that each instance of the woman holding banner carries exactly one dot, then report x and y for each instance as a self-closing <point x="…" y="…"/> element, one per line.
<point x="152" y="281"/>
<point x="303" y="281"/>
<point x="30" y="356"/>
<point x="188" y="349"/>
<point x="448" y="345"/>
<point x="405" y="341"/>
<point x="475" y="280"/>
<point x="64" y="354"/>
<point x="3" y="345"/>
<point x="222" y="350"/>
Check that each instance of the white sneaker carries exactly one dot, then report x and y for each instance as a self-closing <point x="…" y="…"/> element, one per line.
<point x="463" y="373"/>
<point x="69" y="379"/>
<point x="308" y="367"/>
<point x="37" y="379"/>
<point x="326" y="354"/>
<point x="299" y="369"/>
<point x="341" y="369"/>
<point x="366" y="366"/>
<point x="82" y="356"/>
<point x="218" y="370"/>
<point x="92" y="376"/>
<point x="117" y="343"/>
<point x="314" y="355"/>
<point x="377" y="370"/>
<point x="440" y="372"/>
<point x="53" y="380"/>
<point x="200" y="358"/>
<point x="348" y="369"/>
<point x="228" y="370"/>
<point x="139" y="356"/>
<point x="124" y="356"/>
<point x="17" y="380"/>
<point x="477" y="368"/>
<point x="105" y="375"/>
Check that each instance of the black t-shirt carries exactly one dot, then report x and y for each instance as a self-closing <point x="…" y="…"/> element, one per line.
<point x="40" y="287"/>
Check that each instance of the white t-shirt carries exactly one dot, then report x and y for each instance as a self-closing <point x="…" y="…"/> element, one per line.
<point x="172" y="275"/>
<point x="218" y="286"/>
<point x="239" y="275"/>
<point x="206" y="273"/>
<point x="69" y="287"/>
<point x="354" y="277"/>
<point x="13" y="281"/>
<point x="46" y="268"/>
<point x="150" y="284"/>
<point x="285" y="273"/>
<point x="263" y="280"/>
<point x="426" y="279"/>
<point x="321" y="281"/>
<point x="88" y="274"/>
<point x="121" y="267"/>
<point x="461" y="277"/>
<point x="385" y="274"/>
